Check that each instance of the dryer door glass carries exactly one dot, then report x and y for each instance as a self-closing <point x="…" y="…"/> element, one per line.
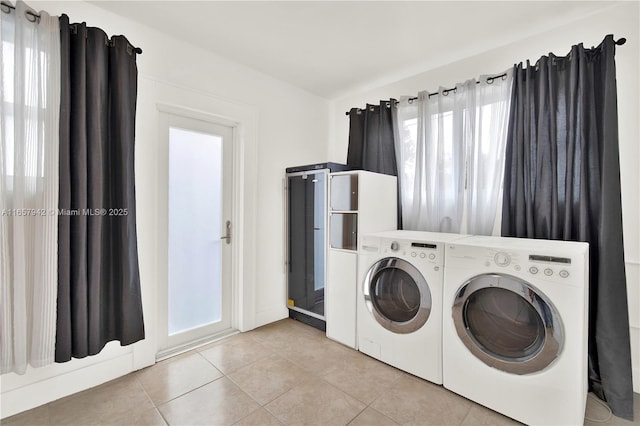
<point x="508" y="323"/>
<point x="397" y="295"/>
<point x="503" y="323"/>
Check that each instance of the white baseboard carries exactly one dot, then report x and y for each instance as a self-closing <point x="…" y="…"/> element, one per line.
<point x="41" y="392"/>
<point x="271" y="315"/>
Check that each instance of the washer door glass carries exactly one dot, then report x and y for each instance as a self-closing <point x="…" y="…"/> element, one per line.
<point x="508" y="323"/>
<point x="397" y="295"/>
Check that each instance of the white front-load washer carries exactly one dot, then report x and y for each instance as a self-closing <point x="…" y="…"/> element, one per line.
<point x="515" y="326"/>
<point x="399" y="306"/>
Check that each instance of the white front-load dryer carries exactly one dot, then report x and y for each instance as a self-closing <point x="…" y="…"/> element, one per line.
<point x="399" y="306"/>
<point x="515" y="326"/>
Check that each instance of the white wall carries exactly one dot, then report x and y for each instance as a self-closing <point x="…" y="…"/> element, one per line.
<point x="281" y="126"/>
<point x="622" y="20"/>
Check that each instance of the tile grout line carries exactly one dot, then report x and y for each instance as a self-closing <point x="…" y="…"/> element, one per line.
<point x="225" y="375"/>
<point x="314" y="375"/>
<point x="155" y="406"/>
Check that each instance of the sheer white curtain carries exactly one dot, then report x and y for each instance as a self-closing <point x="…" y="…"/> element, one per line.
<point x="29" y="114"/>
<point x="450" y="150"/>
<point x="486" y="155"/>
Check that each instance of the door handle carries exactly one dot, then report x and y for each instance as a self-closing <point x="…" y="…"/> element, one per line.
<point x="227" y="237"/>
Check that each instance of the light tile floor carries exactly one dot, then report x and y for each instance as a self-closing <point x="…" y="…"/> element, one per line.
<point x="285" y="373"/>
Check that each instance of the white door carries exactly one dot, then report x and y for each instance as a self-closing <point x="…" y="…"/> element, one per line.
<point x="195" y="297"/>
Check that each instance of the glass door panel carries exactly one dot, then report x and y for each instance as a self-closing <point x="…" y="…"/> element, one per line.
<point x="344" y="192"/>
<point x="344" y="231"/>
<point x="307" y="241"/>
<point x="195" y="214"/>
<point x="195" y="293"/>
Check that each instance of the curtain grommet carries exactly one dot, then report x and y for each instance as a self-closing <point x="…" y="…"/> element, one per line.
<point x="32" y="17"/>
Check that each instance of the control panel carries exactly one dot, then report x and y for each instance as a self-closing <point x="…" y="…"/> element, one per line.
<point x="536" y="264"/>
<point x="427" y="252"/>
<point x="505" y="260"/>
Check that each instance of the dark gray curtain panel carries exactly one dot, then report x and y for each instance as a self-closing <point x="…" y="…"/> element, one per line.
<point x="371" y="138"/>
<point x="562" y="182"/>
<point x="98" y="275"/>
<point x="372" y="133"/>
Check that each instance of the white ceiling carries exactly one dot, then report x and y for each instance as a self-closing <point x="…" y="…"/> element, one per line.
<point x="333" y="47"/>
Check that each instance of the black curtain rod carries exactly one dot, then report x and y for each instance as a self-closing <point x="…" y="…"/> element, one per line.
<point x="490" y="80"/>
<point x="445" y="92"/>
<point x="36" y="18"/>
<point x="33" y="15"/>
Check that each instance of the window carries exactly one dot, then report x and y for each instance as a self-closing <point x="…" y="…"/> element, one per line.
<point x="26" y="110"/>
<point x="451" y="158"/>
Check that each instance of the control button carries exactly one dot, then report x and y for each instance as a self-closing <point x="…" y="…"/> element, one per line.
<point x="422" y="255"/>
<point x="563" y="273"/>
<point x="432" y="256"/>
<point x="413" y="254"/>
<point x="395" y="246"/>
<point x="548" y="272"/>
<point x="533" y="270"/>
<point x="502" y="259"/>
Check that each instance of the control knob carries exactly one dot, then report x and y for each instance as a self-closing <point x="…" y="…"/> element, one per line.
<point x="502" y="259"/>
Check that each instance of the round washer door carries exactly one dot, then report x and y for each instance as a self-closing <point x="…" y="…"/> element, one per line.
<point x="397" y="295"/>
<point x="507" y="323"/>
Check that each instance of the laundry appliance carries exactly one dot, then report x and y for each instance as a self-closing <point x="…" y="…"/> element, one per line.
<point x="515" y="326"/>
<point x="399" y="304"/>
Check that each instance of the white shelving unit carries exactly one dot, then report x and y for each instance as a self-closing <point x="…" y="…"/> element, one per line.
<point x="360" y="202"/>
